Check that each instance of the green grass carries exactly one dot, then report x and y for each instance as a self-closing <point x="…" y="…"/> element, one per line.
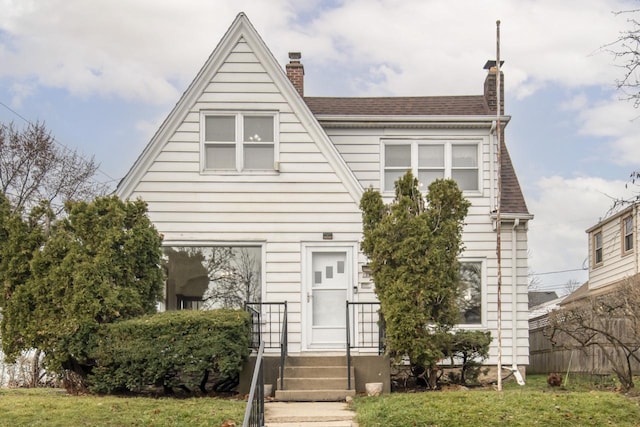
<point x="578" y="403"/>
<point x="51" y="407"/>
<point x="534" y="404"/>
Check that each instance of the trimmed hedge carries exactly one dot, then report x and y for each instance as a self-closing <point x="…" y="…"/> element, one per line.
<point x="175" y="349"/>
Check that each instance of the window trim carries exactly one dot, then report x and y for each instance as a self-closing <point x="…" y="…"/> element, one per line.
<point x="239" y="142"/>
<point x="483" y="294"/>
<point x="414" y="143"/>
<point x="627" y="250"/>
<point x="595" y="249"/>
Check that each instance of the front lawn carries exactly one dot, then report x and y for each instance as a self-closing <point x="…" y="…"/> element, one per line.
<point x="577" y="404"/>
<point x="529" y="405"/>
<point x="52" y="407"/>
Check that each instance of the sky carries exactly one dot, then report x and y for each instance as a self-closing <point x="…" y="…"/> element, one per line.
<point x="103" y="74"/>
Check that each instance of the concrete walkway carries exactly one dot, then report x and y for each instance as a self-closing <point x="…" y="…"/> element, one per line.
<point x="308" y="414"/>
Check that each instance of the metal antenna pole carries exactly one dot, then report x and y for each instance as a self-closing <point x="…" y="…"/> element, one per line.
<point x="499" y="208"/>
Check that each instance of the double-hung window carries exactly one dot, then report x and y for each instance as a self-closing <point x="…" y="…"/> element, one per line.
<point x="239" y="141"/>
<point x="627" y="234"/>
<point x="597" y="248"/>
<point x="431" y="160"/>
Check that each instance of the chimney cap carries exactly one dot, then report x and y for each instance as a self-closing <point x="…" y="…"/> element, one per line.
<point x="491" y="64"/>
<point x="295" y="56"/>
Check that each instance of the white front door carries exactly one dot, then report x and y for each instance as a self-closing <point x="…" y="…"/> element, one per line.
<point x="328" y="285"/>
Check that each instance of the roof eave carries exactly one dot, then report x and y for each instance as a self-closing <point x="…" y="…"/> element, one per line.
<point x="608" y="219"/>
<point x="511" y="216"/>
<point x="461" y="121"/>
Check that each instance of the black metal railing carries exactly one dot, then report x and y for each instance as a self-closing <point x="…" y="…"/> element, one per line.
<point x="284" y="344"/>
<point x="256" y="328"/>
<point x="254" y="412"/>
<point x="268" y="323"/>
<point x="366" y="324"/>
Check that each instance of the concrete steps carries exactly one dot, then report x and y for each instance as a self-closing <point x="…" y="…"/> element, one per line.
<point x="316" y="379"/>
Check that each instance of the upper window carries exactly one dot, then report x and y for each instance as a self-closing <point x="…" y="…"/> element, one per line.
<point x="470" y="296"/>
<point x="627" y="231"/>
<point x="239" y="141"/>
<point x="597" y="248"/>
<point x="431" y="160"/>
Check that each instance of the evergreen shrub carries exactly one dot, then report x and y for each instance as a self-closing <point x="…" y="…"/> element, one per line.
<point x="173" y="350"/>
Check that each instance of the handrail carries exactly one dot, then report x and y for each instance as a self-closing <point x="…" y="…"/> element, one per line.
<point x="368" y="316"/>
<point x="284" y="344"/>
<point x="348" y="350"/>
<point x="276" y="333"/>
<point x="272" y="314"/>
<point x="254" y="412"/>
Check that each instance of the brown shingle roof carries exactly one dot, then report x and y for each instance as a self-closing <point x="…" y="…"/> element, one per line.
<point x="401" y="106"/>
<point x="512" y="198"/>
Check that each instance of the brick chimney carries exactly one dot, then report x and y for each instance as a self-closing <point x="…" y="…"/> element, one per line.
<point x="295" y="71"/>
<point x="490" y="89"/>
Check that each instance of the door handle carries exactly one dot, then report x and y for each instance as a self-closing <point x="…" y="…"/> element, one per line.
<point x="308" y="296"/>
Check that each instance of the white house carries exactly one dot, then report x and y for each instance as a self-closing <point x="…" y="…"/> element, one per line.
<point x="245" y="163"/>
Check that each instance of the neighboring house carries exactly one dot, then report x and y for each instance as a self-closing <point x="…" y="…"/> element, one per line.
<point x="245" y="163"/>
<point x="613" y="248"/>
<point x="613" y="259"/>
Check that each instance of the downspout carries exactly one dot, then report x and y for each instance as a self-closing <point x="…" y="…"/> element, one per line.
<point x="492" y="190"/>
<point x="514" y="303"/>
<point x="635" y="235"/>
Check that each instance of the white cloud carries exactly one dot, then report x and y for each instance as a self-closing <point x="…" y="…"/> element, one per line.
<point x="578" y="102"/>
<point x="617" y="122"/>
<point x="139" y="50"/>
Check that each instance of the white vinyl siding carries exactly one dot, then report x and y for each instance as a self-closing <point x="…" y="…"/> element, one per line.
<point x="276" y="210"/>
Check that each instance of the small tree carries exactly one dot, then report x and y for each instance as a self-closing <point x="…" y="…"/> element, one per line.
<point x="413" y="248"/>
<point x="609" y="322"/>
<point x="99" y="264"/>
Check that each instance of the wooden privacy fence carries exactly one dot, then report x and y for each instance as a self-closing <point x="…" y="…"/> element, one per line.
<point x="565" y="356"/>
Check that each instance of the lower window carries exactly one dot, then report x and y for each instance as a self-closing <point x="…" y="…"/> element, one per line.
<point x="470" y="297"/>
<point x="208" y="277"/>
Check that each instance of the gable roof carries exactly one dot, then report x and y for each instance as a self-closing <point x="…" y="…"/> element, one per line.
<point x="241" y="28"/>
<point x="512" y="199"/>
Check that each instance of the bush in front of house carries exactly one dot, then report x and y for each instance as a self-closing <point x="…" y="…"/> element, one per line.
<point x="467" y="350"/>
<point x="172" y="350"/>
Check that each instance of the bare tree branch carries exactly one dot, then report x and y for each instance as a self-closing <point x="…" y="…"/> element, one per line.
<point x="610" y="322"/>
<point x="33" y="168"/>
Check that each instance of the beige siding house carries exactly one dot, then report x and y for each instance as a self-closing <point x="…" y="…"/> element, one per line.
<point x="613" y="248"/>
<point x="251" y="182"/>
